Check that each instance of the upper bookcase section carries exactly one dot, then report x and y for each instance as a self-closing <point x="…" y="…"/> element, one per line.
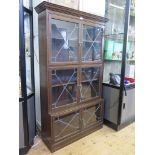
<point x="61" y="9"/>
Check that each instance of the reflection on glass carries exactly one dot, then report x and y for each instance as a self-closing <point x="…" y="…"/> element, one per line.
<point x="64" y="87"/>
<point x="66" y="125"/>
<point x="91" y="115"/>
<point x="64" y="41"/>
<point x="92" y="43"/>
<point x="89" y="83"/>
<point x="27" y="52"/>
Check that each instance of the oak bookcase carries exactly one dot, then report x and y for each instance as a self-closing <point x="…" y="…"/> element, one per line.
<point x="71" y="70"/>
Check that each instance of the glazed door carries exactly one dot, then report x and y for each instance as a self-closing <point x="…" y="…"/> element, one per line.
<point x="91" y="43"/>
<point x="92" y="115"/>
<point x="64" y="41"/>
<point x="90" y="82"/>
<point x="66" y="125"/>
<point x="63" y="86"/>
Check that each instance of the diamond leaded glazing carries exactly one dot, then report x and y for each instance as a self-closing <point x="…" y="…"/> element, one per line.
<point x="90" y="82"/>
<point x="66" y="125"/>
<point x="92" y="43"/>
<point x="64" y="41"/>
<point x="91" y="115"/>
<point x="64" y="87"/>
<point x="69" y="124"/>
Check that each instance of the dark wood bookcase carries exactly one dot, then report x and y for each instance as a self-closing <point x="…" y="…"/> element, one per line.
<point x="71" y="73"/>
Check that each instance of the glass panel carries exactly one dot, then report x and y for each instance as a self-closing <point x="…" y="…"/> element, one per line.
<point x="115" y="11"/>
<point x="27" y="52"/>
<point x="113" y="48"/>
<point x="66" y="125"/>
<point x="91" y="115"/>
<point x="113" y="44"/>
<point x="92" y="43"/>
<point x="27" y="3"/>
<point x="64" y="87"/>
<point x="64" y="41"/>
<point x="20" y="87"/>
<point x="90" y="82"/>
<point x="130" y="57"/>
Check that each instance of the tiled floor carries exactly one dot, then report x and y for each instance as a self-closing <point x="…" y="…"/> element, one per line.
<point x="102" y="142"/>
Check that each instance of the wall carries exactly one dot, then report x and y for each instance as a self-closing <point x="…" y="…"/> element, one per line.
<point x="68" y="3"/>
<point x="93" y="6"/>
<point x="96" y="7"/>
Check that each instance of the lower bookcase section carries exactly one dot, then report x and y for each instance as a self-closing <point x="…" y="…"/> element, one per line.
<point x="72" y="126"/>
<point x="75" y="137"/>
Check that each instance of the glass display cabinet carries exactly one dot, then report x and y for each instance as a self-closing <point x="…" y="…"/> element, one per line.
<point x="119" y="64"/>
<point x="27" y="127"/>
<point x="71" y="70"/>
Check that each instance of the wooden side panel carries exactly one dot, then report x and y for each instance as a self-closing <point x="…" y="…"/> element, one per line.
<point x="45" y="117"/>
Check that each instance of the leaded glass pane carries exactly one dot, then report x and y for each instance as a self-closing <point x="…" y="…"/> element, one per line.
<point x="92" y="43"/>
<point x="91" y="115"/>
<point x="89" y="83"/>
<point x="66" y="125"/>
<point x="64" y="41"/>
<point x="64" y="87"/>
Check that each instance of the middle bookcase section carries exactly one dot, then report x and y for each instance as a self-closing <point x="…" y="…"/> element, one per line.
<point x="64" y="87"/>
